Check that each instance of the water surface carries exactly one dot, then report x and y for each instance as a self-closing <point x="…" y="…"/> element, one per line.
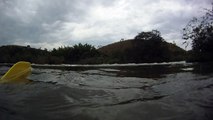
<point x="157" y="91"/>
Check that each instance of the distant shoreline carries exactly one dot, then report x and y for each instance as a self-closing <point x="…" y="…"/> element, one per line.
<point x="102" y="65"/>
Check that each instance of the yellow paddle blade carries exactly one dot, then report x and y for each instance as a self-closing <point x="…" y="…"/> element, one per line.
<point x="17" y="73"/>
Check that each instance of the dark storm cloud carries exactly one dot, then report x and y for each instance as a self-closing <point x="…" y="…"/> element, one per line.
<point x="52" y="23"/>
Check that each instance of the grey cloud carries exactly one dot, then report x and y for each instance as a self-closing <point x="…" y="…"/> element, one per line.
<point x="99" y="22"/>
<point x="14" y="28"/>
<point x="24" y="20"/>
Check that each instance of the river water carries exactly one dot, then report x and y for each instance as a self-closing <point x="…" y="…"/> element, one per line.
<point x="157" y="91"/>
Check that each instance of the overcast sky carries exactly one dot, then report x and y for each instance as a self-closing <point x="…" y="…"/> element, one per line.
<point x="54" y="23"/>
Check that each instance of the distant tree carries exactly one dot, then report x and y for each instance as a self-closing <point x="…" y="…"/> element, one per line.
<point x="75" y="54"/>
<point x="149" y="47"/>
<point x="151" y="35"/>
<point x="122" y="39"/>
<point x="200" y="31"/>
<point x="84" y="51"/>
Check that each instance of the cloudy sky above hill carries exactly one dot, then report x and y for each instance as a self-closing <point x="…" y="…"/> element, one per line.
<point x="54" y="23"/>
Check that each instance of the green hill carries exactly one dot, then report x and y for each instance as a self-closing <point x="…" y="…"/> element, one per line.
<point x="139" y="51"/>
<point x="117" y="47"/>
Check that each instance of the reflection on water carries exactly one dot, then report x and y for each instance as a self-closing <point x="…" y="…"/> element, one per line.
<point x="118" y="92"/>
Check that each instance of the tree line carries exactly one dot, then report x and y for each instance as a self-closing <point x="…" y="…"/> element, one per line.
<point x="65" y="54"/>
<point x="145" y="47"/>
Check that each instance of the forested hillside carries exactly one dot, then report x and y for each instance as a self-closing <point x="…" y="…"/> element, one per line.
<point x="146" y="47"/>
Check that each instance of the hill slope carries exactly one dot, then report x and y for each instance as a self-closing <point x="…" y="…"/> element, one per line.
<point x="143" y="51"/>
<point x="117" y="47"/>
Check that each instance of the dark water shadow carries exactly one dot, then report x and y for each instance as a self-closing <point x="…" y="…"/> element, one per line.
<point x="155" y="71"/>
<point x="203" y="68"/>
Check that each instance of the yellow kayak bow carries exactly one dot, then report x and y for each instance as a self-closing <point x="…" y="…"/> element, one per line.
<point x="17" y="73"/>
